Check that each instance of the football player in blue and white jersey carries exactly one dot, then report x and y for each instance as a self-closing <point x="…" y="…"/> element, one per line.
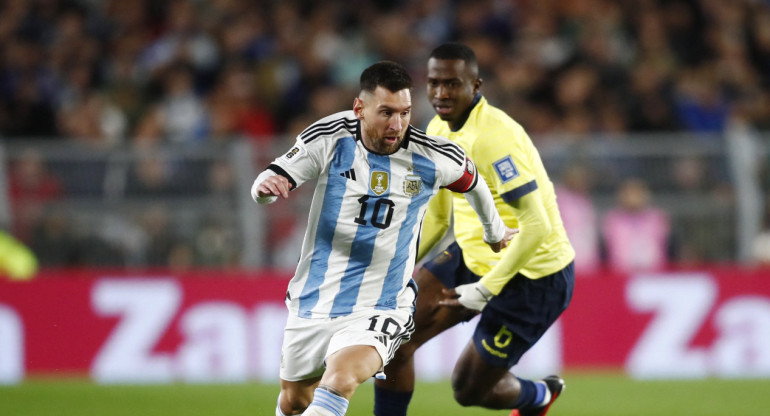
<point x="352" y="296"/>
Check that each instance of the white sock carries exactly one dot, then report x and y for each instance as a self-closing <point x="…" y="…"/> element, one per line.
<point x="326" y="403"/>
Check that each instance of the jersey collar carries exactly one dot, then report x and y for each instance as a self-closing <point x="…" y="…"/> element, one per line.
<point x="467" y="113"/>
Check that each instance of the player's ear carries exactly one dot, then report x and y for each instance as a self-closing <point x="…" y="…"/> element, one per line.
<point x="358" y="108"/>
<point x="477" y="85"/>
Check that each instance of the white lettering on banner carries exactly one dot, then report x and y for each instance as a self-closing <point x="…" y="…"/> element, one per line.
<point x="742" y="349"/>
<point x="223" y="341"/>
<point x="11" y="346"/>
<point x="215" y="346"/>
<point x="146" y="308"/>
<point x="267" y="328"/>
<point x="681" y="304"/>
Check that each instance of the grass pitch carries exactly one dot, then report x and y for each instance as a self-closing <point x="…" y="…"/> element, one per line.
<point x="587" y="394"/>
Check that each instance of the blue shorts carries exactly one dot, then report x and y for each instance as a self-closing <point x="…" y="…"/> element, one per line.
<point x="514" y="320"/>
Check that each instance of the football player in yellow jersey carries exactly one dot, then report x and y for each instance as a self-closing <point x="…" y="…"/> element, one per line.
<point x="520" y="291"/>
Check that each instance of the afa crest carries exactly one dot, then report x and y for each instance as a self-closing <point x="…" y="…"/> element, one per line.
<point x="379" y="182"/>
<point x="412" y="185"/>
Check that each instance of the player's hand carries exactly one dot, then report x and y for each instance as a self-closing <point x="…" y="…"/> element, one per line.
<point x="507" y="237"/>
<point x="473" y="296"/>
<point x="276" y="185"/>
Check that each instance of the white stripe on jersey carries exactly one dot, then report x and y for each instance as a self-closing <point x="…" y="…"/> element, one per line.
<point x="360" y="246"/>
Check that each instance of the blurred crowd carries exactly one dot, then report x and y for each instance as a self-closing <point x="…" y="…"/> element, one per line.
<point x="111" y="73"/>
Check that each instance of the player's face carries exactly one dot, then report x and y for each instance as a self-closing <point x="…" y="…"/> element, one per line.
<point x="451" y="87"/>
<point x="384" y="116"/>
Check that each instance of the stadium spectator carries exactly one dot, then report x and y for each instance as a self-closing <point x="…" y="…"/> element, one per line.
<point x="80" y="70"/>
<point x="636" y="234"/>
<point x="17" y="261"/>
<point x="183" y="42"/>
<point x="760" y="250"/>
<point x="32" y="187"/>
<point x="54" y="241"/>
<point x="152" y="174"/>
<point x="236" y="108"/>
<point x="580" y="218"/>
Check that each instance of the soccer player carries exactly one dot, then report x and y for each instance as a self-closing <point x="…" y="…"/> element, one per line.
<point x="352" y="296"/>
<point x="521" y="291"/>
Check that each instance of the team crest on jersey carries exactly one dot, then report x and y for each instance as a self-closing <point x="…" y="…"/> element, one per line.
<point x="506" y="170"/>
<point x="412" y="185"/>
<point x="379" y="182"/>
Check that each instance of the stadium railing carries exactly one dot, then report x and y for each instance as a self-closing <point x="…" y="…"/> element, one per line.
<point x="176" y="203"/>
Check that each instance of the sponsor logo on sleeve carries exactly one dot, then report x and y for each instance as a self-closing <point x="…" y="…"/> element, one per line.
<point x="293" y="154"/>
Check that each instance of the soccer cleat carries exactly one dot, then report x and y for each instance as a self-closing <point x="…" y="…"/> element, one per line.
<point x="555" y="385"/>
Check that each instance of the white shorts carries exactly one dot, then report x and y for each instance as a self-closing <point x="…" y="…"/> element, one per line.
<point x="308" y="341"/>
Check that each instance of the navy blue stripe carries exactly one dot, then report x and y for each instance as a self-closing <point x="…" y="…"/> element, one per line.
<point x="519" y="192"/>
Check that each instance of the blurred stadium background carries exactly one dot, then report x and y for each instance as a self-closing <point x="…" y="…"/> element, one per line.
<point x="131" y="131"/>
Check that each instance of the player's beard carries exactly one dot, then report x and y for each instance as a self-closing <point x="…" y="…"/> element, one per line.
<point x="376" y="142"/>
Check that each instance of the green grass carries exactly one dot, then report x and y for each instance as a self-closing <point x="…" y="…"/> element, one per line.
<point x="587" y="394"/>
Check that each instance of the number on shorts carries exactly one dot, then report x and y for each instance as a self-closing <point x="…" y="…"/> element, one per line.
<point x="386" y="325"/>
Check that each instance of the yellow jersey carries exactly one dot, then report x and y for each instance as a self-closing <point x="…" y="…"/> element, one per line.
<point x="509" y="162"/>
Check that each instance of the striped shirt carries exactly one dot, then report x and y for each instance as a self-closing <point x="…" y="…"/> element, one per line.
<point x="360" y="244"/>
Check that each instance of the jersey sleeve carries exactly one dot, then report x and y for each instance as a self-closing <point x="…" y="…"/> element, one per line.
<point x="300" y="163"/>
<point x="508" y="162"/>
<point x="467" y="180"/>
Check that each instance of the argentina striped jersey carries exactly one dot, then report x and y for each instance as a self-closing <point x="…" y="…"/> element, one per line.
<point x="360" y="244"/>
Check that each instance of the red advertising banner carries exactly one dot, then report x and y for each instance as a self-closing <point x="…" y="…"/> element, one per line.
<point x="227" y="326"/>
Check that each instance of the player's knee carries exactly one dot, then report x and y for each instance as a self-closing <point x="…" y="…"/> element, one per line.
<point x="464" y="395"/>
<point x="404" y="354"/>
<point x="464" y="398"/>
<point x="344" y="383"/>
<point x="295" y="401"/>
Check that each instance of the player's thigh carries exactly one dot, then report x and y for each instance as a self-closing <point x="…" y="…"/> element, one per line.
<point x="351" y="366"/>
<point x="305" y="342"/>
<point x="384" y="330"/>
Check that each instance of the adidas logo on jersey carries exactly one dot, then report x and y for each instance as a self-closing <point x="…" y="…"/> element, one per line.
<point x="350" y="174"/>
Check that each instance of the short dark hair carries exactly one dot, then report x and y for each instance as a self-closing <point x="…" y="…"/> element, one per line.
<point x="386" y="74"/>
<point x="455" y="50"/>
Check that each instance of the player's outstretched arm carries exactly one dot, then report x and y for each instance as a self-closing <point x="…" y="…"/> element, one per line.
<point x="534" y="227"/>
<point x="268" y="186"/>
<point x="481" y="200"/>
<point x="500" y="245"/>
<point x="436" y="222"/>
